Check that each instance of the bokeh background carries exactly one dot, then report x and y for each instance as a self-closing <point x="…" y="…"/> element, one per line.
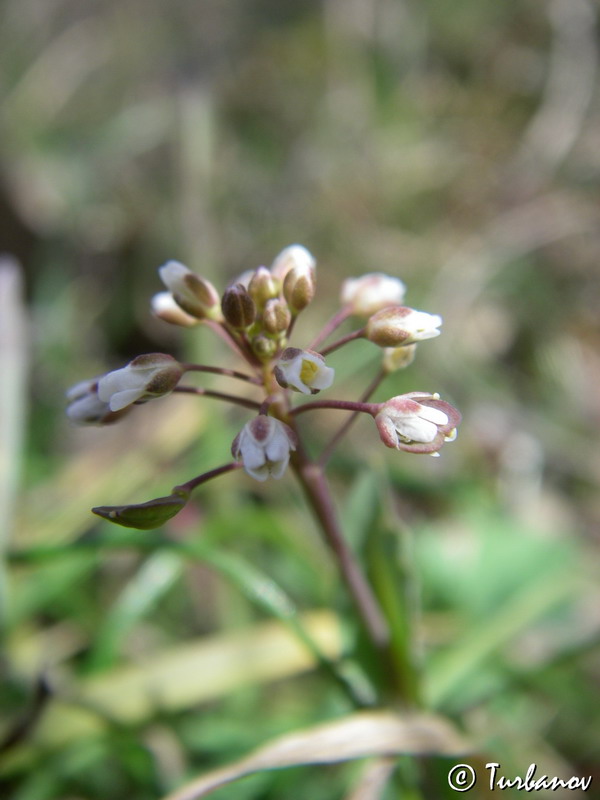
<point x="452" y="145"/>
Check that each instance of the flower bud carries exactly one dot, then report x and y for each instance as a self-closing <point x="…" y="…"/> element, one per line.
<point x="371" y="293"/>
<point x="398" y="325"/>
<point x="293" y="256"/>
<point x="395" y="358"/>
<point x="193" y="294"/>
<point x="417" y="422"/>
<point x="164" y="307"/>
<point x="263" y="446"/>
<point x="86" y="408"/>
<point x="303" y="370"/>
<point x="263" y="287"/>
<point x="238" y="307"/>
<point x="299" y="287"/>
<point x="144" y="516"/>
<point x="276" y="316"/>
<point x="264" y="347"/>
<point x="146" y="377"/>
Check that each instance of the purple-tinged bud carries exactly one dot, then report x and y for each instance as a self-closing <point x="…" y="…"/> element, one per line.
<point x="417" y="422"/>
<point x="290" y="257"/>
<point x="263" y="446"/>
<point x="399" y="325"/>
<point x="238" y="307"/>
<point x="195" y="295"/>
<point x="303" y="370"/>
<point x="263" y="287"/>
<point x="276" y="316"/>
<point x="164" y="307"/>
<point x="146" y="377"/>
<point x="371" y="293"/>
<point x="86" y="408"/>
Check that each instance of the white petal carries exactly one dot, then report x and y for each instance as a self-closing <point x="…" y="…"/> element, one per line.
<point x="416" y="429"/>
<point x="172" y="274"/>
<point x="253" y="455"/>
<point x="324" y="378"/>
<point x="277" y="468"/>
<point x="119" y="380"/>
<point x="81" y="389"/>
<point x="259" y="473"/>
<point x="125" y="398"/>
<point x="433" y="415"/>
<point x="87" y="409"/>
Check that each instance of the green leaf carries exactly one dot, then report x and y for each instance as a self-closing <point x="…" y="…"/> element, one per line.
<point x="144" y="516"/>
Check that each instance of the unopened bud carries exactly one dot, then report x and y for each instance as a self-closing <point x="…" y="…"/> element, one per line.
<point x="263" y="287"/>
<point x="238" y="307"/>
<point x="164" y="307"/>
<point x="372" y="292"/>
<point x="399" y="325"/>
<point x="276" y="316"/>
<point x="293" y="256"/>
<point x="264" y="347"/>
<point x="146" y="377"/>
<point x="299" y="288"/>
<point x="86" y="408"/>
<point x="395" y="358"/>
<point x="193" y="294"/>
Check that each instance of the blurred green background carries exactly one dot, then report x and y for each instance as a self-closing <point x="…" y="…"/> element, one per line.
<point x="453" y="145"/>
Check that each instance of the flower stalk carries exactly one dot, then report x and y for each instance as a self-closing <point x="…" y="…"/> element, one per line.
<point x="313" y="481"/>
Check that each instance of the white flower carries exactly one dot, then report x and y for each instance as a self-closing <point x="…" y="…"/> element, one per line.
<point x="195" y="295"/>
<point x="417" y="422"/>
<point x="147" y="376"/>
<point x="303" y="370"/>
<point x="86" y="408"/>
<point x="263" y="446"/>
<point x="293" y="257"/>
<point x="372" y="292"/>
<point x="399" y="325"/>
<point x="164" y="307"/>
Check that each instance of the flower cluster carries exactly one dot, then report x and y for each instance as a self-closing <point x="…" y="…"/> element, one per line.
<point x="255" y="316"/>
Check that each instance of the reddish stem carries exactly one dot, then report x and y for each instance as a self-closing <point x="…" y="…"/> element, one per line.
<point x="317" y="492"/>
<point x="230" y="373"/>
<point x="344" y="340"/>
<point x="230" y="398"/>
<point x="341" y="405"/>
<point x="188" y="486"/>
<point x="330" y="326"/>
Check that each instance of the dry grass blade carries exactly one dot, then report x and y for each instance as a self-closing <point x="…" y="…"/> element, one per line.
<point x="361" y="735"/>
<point x="374" y="780"/>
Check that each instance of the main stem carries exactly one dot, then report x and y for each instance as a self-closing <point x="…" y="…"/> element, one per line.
<point x="314" y="483"/>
